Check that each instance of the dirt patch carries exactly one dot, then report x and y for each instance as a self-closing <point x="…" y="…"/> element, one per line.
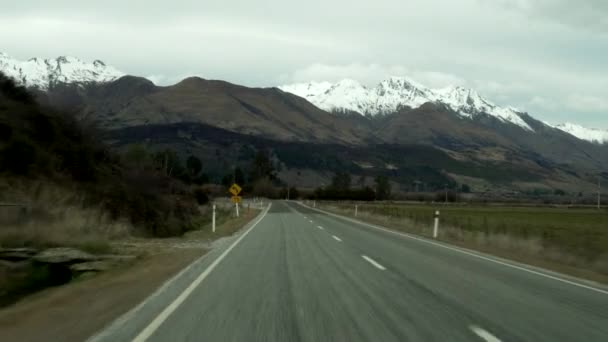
<point x="76" y="311"/>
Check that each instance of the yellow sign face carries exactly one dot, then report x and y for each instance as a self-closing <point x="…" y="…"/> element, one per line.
<point x="235" y="189"/>
<point x="236" y="199"/>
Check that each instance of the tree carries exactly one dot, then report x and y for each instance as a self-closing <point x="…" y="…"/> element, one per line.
<point x="239" y="177"/>
<point x="263" y="188"/>
<point x="168" y="162"/>
<point x="362" y="180"/>
<point x="137" y="156"/>
<point x="383" y="188"/>
<point x="294" y="193"/>
<point x="194" y="166"/>
<point x="341" y="181"/>
<point x="262" y="166"/>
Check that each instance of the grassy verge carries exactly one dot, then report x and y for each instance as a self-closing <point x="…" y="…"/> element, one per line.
<point x="90" y="304"/>
<point x="571" y="241"/>
<point x="226" y="223"/>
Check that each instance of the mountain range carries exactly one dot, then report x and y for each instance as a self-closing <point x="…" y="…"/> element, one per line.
<point x="44" y="74"/>
<point x="399" y="128"/>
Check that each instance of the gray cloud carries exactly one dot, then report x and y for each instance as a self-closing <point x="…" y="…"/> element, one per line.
<point x="581" y="14"/>
<point x="544" y="56"/>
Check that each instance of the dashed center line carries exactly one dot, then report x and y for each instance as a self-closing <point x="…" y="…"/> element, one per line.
<point x="373" y="262"/>
<point x="320" y="227"/>
<point x="310" y="221"/>
<point x="484" y="334"/>
<point x="337" y="238"/>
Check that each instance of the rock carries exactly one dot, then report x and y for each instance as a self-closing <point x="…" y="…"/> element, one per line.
<point x="118" y="258"/>
<point x="17" y="254"/>
<point x="92" y="266"/>
<point x="13" y="265"/>
<point x="63" y="256"/>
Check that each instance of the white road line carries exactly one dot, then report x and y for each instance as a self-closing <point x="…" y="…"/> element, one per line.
<point x="373" y="262"/>
<point x="320" y="227"/>
<point x="484" y="334"/>
<point x="310" y="221"/>
<point x="156" y="323"/>
<point x="470" y="253"/>
<point x="337" y="238"/>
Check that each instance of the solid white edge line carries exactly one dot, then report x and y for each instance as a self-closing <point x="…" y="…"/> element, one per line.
<point x="464" y="251"/>
<point x="337" y="238"/>
<point x="484" y="334"/>
<point x="156" y="323"/>
<point x="373" y="262"/>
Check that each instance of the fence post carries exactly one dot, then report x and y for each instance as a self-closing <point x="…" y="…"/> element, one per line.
<point x="436" y="227"/>
<point x="213" y="219"/>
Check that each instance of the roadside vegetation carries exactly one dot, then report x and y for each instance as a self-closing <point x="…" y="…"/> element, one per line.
<point x="570" y="240"/>
<point x="63" y="192"/>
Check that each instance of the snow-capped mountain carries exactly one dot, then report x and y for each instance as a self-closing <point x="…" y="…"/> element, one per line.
<point x="45" y="73"/>
<point x="397" y="92"/>
<point x="590" y="134"/>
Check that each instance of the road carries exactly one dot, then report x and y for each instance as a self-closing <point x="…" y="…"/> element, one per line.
<point x="303" y="275"/>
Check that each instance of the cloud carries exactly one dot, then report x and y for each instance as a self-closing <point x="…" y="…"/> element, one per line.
<point x="515" y="52"/>
<point x="587" y="103"/>
<point x="589" y="15"/>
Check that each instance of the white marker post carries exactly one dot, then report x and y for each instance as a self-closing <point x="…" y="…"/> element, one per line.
<point x="356" y="210"/>
<point x="237" y="209"/>
<point x="314" y="204"/>
<point x="436" y="228"/>
<point x="213" y="219"/>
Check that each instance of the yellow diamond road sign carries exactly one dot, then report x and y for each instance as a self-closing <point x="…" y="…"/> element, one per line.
<point x="236" y="199"/>
<point x="235" y="189"/>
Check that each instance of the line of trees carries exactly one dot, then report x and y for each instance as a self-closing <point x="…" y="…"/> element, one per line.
<point x="341" y="189"/>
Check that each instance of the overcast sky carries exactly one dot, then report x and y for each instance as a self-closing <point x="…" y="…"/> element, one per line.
<point x="547" y="57"/>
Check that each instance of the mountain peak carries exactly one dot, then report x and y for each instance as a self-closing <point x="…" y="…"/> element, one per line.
<point x="44" y="73"/>
<point x="396" y="92"/>
<point x="594" y="135"/>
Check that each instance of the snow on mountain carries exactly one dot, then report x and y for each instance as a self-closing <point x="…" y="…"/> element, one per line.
<point x="398" y="92"/>
<point x="590" y="134"/>
<point x="44" y="73"/>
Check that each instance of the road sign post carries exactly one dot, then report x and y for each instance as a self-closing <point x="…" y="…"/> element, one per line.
<point x="436" y="227"/>
<point x="235" y="190"/>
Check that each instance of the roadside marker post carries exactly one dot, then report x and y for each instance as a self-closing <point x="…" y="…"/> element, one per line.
<point x="356" y="210"/>
<point x="436" y="227"/>
<point x="237" y="209"/>
<point x="213" y="219"/>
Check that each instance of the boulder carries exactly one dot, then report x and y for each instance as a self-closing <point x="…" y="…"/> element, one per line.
<point x="17" y="254"/>
<point x="118" y="258"/>
<point x="64" y="256"/>
<point x="92" y="266"/>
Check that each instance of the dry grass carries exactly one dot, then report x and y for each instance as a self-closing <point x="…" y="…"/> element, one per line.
<point x="56" y="216"/>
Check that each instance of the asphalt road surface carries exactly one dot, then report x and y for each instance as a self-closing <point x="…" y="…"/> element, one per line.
<point x="303" y="275"/>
